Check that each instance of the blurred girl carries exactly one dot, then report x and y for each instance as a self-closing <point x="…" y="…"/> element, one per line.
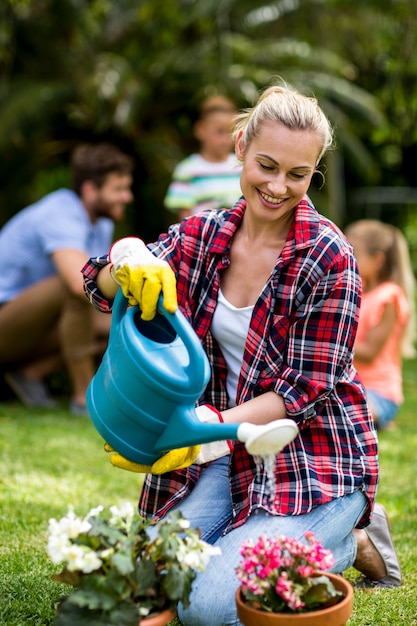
<point x="385" y="332"/>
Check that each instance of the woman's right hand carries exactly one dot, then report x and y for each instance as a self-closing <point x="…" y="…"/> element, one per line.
<point x="142" y="276"/>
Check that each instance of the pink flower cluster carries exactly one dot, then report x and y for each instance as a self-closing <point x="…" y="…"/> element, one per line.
<point x="278" y="574"/>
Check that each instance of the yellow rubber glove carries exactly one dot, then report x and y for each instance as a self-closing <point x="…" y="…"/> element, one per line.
<point x="143" y="276"/>
<point x="143" y="286"/>
<point x="172" y="460"/>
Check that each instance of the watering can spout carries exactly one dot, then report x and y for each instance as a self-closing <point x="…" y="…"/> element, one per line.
<point x="185" y="429"/>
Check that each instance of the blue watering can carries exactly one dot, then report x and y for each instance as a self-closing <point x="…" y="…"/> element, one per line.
<point x="142" y="398"/>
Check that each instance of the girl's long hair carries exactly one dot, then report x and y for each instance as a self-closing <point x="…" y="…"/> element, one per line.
<point x="377" y="236"/>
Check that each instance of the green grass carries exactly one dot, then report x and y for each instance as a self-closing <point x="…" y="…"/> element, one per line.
<point x="48" y="461"/>
<point x="51" y="460"/>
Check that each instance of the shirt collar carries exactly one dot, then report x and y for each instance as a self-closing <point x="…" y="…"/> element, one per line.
<point x="228" y="227"/>
<point x="303" y="232"/>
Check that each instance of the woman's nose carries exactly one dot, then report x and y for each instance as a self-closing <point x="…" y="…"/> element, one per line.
<point x="278" y="185"/>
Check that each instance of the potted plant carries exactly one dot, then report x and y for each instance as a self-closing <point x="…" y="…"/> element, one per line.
<point x="120" y="574"/>
<point x="283" y="583"/>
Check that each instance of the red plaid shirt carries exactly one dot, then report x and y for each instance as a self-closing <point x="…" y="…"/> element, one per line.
<point x="300" y="345"/>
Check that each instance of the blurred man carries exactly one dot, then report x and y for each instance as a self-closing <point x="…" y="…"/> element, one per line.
<point x="46" y="320"/>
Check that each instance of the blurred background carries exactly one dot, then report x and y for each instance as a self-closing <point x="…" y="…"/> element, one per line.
<point x="132" y="72"/>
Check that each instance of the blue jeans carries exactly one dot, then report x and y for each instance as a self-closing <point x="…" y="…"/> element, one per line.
<point x="209" y="507"/>
<point x="383" y="409"/>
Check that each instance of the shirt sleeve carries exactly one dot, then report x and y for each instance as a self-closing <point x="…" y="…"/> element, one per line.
<point x="388" y="293"/>
<point x="320" y="335"/>
<point x="89" y="272"/>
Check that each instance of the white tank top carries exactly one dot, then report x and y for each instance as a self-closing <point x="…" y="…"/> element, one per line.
<point x="229" y="327"/>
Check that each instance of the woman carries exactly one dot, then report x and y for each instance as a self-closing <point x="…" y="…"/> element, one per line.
<point x="272" y="290"/>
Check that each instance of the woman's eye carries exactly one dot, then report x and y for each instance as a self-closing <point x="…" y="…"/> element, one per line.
<point x="298" y="176"/>
<point x="266" y="167"/>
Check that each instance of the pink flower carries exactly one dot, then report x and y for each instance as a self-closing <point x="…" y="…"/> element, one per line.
<point x="305" y="571"/>
<point x="278" y="573"/>
<point x="288" y="592"/>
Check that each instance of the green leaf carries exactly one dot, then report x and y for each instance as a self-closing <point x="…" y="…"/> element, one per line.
<point x="125" y="614"/>
<point x="177" y="584"/>
<point x="321" y="591"/>
<point x="92" y="600"/>
<point x="100" y="528"/>
<point x="145" y="576"/>
<point x="70" y="614"/>
<point x="123" y="562"/>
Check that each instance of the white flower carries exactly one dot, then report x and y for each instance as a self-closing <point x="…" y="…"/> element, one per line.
<point x="90" y="562"/>
<point x="190" y="559"/>
<point x="206" y="555"/>
<point x="196" y="554"/>
<point x="54" y="527"/>
<point x="107" y="553"/>
<point x="70" y="525"/>
<point x="144" y="611"/>
<point x="95" y="512"/>
<point x="57" y="547"/>
<point x="212" y="550"/>
<point x="123" y="515"/>
<point x="75" y="558"/>
<point x="81" y="559"/>
<point x="91" y="547"/>
<point x="184" y="523"/>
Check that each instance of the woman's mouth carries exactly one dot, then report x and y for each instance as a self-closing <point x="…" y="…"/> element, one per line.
<point x="270" y="199"/>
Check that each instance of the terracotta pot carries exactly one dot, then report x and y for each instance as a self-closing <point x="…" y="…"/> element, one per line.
<point x="159" y="620"/>
<point x="336" y="615"/>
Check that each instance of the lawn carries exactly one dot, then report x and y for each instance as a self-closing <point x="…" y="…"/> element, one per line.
<point x="51" y="460"/>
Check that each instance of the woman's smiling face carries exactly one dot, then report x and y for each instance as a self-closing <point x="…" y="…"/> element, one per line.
<point x="277" y="168"/>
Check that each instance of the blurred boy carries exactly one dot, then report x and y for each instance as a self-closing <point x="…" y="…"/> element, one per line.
<point x="209" y="179"/>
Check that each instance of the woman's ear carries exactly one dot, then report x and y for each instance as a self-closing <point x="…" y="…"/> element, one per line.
<point x="240" y="145"/>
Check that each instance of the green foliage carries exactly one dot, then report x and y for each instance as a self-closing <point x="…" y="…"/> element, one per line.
<point x="48" y="460"/>
<point x="133" y="72"/>
<point x="122" y="571"/>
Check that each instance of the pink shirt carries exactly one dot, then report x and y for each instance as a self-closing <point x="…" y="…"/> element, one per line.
<point x="384" y="373"/>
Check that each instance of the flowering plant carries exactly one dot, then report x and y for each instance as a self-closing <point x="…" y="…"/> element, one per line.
<point x="280" y="576"/>
<point x="120" y="572"/>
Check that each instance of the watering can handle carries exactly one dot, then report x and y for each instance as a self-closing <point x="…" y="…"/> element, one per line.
<point x="198" y="361"/>
<point x="118" y="310"/>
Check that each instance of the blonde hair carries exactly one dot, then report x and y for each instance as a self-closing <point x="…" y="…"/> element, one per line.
<point x="376" y="236"/>
<point x="287" y="106"/>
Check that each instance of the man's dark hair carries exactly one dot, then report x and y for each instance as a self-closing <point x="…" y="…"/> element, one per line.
<point x="95" y="161"/>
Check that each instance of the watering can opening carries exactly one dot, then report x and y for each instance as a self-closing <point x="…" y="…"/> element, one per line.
<point x="158" y="329"/>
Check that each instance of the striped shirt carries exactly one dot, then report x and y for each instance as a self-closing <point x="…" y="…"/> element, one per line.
<point x="300" y="345"/>
<point x="199" y="185"/>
